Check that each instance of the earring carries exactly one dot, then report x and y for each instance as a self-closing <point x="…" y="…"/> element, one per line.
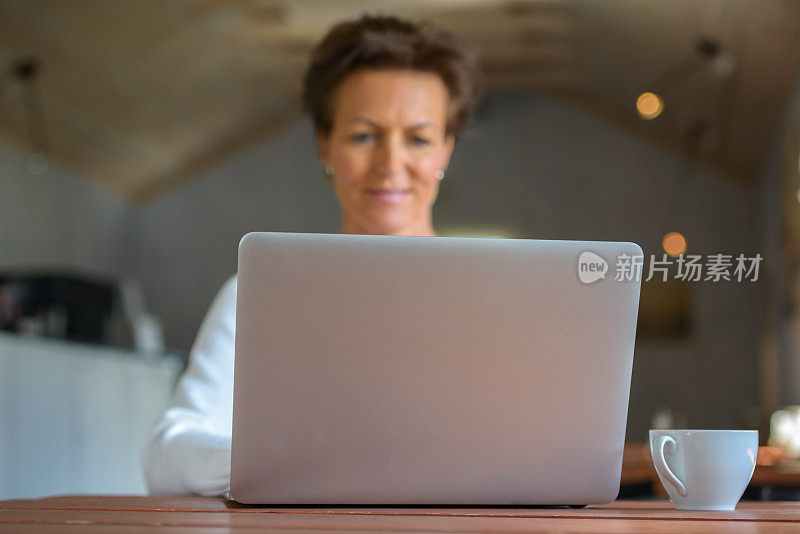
<point x="328" y="171"/>
<point x="440" y="174"/>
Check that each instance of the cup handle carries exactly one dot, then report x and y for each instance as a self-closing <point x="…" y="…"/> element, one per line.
<point x="661" y="463"/>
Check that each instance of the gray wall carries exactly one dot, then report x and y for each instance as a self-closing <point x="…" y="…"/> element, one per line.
<point x="58" y="220"/>
<point x="185" y="243"/>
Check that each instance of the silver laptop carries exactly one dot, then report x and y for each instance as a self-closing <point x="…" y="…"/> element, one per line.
<point x="424" y="370"/>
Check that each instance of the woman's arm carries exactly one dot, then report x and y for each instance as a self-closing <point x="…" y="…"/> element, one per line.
<point x="188" y="450"/>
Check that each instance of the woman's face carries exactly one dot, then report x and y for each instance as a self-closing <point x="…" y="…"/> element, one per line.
<point x="387" y="142"/>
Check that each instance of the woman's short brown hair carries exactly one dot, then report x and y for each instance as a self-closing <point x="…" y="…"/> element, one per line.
<point x="383" y="43"/>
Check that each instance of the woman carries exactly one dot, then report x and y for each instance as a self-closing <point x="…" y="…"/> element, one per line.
<point x="388" y="99"/>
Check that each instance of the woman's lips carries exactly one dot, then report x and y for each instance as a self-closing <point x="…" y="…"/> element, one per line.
<point x="390" y="196"/>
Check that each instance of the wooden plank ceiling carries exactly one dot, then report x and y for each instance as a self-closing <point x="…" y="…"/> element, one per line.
<point x="139" y="96"/>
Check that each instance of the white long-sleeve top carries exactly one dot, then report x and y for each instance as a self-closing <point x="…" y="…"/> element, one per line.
<point x="188" y="450"/>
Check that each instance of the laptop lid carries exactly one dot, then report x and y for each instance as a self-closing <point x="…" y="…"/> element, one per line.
<point x="425" y="370"/>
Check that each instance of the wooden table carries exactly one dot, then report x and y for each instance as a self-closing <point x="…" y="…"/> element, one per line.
<point x="178" y="515"/>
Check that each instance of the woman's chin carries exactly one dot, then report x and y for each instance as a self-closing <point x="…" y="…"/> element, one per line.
<point x="392" y="225"/>
<point x="385" y="221"/>
<point x="390" y="229"/>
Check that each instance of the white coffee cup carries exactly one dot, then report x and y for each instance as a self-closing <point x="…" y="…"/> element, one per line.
<point x="704" y="469"/>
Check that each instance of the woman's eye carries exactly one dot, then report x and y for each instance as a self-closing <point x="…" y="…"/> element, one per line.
<point x="361" y="137"/>
<point x="420" y="141"/>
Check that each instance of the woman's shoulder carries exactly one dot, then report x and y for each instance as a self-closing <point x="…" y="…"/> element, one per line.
<point x="228" y="289"/>
<point x="226" y="296"/>
<point x="223" y="307"/>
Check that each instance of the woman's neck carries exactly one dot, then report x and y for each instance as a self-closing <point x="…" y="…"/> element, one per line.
<point x="423" y="228"/>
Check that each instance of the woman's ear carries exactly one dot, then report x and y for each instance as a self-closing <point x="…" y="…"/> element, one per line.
<point x="323" y="147"/>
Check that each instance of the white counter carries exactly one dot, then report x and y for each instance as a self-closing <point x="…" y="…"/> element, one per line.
<point x="73" y="417"/>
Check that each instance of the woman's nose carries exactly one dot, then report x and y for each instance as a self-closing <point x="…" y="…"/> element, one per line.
<point x="390" y="157"/>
